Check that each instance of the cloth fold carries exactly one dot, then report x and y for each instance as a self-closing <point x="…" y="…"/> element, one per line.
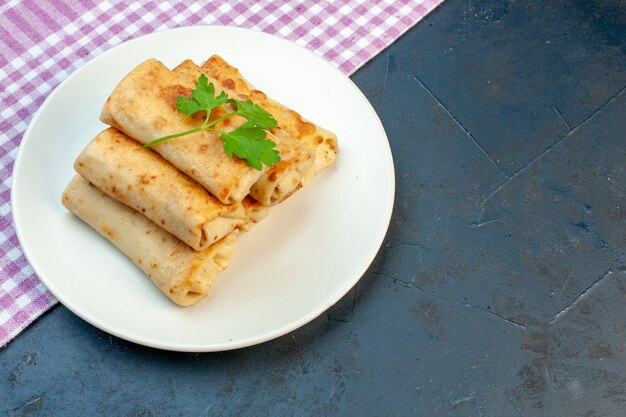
<point x="43" y="42"/>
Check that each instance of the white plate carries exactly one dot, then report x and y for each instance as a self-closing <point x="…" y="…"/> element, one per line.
<point x="294" y="265"/>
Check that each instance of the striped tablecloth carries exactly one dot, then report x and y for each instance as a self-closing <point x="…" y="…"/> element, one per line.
<point x="43" y="41"/>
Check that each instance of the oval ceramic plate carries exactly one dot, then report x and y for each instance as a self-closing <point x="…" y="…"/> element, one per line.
<point x="295" y="264"/>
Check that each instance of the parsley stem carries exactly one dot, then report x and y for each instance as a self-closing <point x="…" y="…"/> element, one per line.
<point x="219" y="119"/>
<point x="187" y="132"/>
<point x="245" y="141"/>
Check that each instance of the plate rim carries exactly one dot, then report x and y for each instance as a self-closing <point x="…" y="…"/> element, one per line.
<point x="191" y="347"/>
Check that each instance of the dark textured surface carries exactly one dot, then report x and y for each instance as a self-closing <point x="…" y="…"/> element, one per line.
<point x="501" y="286"/>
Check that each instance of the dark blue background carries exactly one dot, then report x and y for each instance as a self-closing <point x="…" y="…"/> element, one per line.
<point x="500" y="289"/>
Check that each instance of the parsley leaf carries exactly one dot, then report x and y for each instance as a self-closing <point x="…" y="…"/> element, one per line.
<point x="253" y="112"/>
<point x="247" y="141"/>
<point x="188" y="106"/>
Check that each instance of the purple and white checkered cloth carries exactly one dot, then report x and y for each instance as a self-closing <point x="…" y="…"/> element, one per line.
<point x="44" y="41"/>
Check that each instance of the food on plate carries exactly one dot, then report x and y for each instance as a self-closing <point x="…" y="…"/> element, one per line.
<point x="193" y="157"/>
<point x="140" y="178"/>
<point x="181" y="273"/>
<point x="281" y="179"/>
<point x="315" y="137"/>
<point x="143" y="106"/>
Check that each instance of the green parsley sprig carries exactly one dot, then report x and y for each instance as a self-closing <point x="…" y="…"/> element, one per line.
<point x="247" y="141"/>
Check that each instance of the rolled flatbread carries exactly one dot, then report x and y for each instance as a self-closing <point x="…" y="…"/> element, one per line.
<point x="143" y="105"/>
<point x="182" y="274"/>
<point x="323" y="141"/>
<point x="279" y="181"/>
<point x="140" y="178"/>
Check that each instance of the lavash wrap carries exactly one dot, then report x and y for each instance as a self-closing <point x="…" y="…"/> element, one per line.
<point x="141" y="179"/>
<point x="181" y="273"/>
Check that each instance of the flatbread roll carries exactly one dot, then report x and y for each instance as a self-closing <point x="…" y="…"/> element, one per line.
<point x="279" y="181"/>
<point x="143" y="105"/>
<point x="323" y="141"/>
<point x="182" y="274"/>
<point x="141" y="179"/>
